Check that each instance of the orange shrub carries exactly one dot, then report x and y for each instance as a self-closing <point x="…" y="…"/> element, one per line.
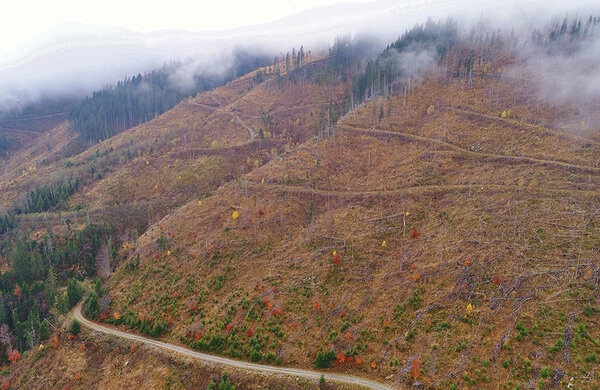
<point x="316" y="305"/>
<point x="497" y="279"/>
<point x="5" y="384"/>
<point x="18" y="292"/>
<point x="416" y="278"/>
<point x="415" y="368"/>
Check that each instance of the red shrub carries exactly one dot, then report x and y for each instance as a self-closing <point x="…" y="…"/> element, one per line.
<point x="336" y="259"/>
<point x="260" y="212"/>
<point x="497" y="279"/>
<point x="249" y="333"/>
<point x="415" y="233"/>
<point x="5" y="384"/>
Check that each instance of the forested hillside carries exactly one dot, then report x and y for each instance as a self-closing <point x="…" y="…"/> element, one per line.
<point x="138" y="99"/>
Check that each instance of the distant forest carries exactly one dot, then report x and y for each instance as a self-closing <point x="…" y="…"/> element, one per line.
<point x="140" y="98"/>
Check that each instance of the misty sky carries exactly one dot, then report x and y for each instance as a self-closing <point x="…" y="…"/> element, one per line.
<point x="71" y="47"/>
<point x="25" y="19"/>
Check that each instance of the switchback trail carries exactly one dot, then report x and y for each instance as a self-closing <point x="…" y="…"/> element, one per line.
<point x="250" y="130"/>
<point x="522" y="123"/>
<point x="478" y="155"/>
<point x="260" y="368"/>
<point x="423" y="190"/>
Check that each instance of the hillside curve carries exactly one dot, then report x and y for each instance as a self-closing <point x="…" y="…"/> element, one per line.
<point x="247" y="366"/>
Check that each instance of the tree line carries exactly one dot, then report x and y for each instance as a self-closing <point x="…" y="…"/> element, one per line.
<point x="405" y="57"/>
<point x="45" y="197"/>
<point x="29" y="290"/>
<point x="138" y="99"/>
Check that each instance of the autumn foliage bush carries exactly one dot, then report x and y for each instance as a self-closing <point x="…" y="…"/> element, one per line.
<point x="13" y="355"/>
<point x="415" y="368"/>
<point x="415" y="233"/>
<point x="497" y="279"/>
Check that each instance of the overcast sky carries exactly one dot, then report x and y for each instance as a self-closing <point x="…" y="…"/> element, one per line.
<point x="25" y="19"/>
<point x="71" y="47"/>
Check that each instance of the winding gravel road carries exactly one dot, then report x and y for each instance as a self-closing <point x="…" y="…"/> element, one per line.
<point x="294" y="372"/>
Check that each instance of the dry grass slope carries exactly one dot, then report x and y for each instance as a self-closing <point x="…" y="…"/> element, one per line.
<point x="488" y="274"/>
